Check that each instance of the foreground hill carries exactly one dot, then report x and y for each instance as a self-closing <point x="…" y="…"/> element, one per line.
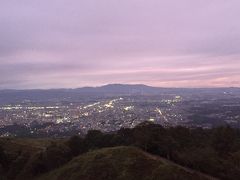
<point x="147" y="151"/>
<point x="119" y="163"/>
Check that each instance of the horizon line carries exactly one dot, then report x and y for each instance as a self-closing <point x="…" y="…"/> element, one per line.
<point x="99" y="86"/>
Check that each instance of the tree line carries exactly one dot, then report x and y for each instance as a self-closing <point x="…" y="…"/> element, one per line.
<point x="212" y="151"/>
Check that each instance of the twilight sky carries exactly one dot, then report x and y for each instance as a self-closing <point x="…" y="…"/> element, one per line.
<point x="75" y="43"/>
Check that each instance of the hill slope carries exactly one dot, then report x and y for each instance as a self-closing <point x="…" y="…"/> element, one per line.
<point x="119" y="163"/>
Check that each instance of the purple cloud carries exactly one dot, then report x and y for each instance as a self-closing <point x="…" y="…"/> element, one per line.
<point x="60" y="43"/>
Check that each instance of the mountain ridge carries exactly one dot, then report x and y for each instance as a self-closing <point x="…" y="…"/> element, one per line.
<point x="109" y="90"/>
<point x="115" y="85"/>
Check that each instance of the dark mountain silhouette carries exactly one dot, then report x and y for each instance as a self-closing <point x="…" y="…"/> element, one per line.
<point x="16" y="96"/>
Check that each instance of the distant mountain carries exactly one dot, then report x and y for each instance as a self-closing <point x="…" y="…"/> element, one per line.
<point x="126" y="89"/>
<point x="55" y="95"/>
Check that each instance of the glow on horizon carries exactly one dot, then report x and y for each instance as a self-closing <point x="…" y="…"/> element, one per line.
<point x="61" y="44"/>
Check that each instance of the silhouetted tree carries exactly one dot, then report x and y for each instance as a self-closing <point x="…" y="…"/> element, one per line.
<point x="4" y="163"/>
<point x="223" y="139"/>
<point x="77" y="145"/>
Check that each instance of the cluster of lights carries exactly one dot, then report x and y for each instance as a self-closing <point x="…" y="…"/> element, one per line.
<point x="161" y="114"/>
<point x="128" y="108"/>
<point x="91" y="105"/>
<point x="28" y="108"/>
<point x="151" y="119"/>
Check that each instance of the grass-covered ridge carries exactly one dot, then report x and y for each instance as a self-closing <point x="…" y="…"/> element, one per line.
<point x="118" y="163"/>
<point x="145" y="149"/>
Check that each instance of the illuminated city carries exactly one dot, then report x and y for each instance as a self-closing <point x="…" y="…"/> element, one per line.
<point x="111" y="113"/>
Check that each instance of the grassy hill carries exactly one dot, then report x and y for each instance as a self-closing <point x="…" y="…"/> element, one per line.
<point x="146" y="152"/>
<point x="119" y="163"/>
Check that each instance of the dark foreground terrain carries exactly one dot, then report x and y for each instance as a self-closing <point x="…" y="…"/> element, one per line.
<point x="147" y="152"/>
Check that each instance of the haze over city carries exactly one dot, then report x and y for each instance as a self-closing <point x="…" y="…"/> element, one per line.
<point x="119" y="89"/>
<point x="68" y="44"/>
